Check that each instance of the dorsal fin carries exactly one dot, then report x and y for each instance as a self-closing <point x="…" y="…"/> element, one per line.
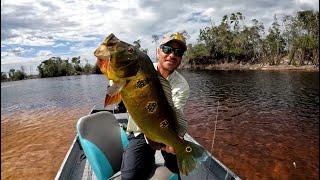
<point x="181" y="123"/>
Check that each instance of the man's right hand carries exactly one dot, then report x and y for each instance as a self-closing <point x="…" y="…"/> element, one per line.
<point x="169" y="149"/>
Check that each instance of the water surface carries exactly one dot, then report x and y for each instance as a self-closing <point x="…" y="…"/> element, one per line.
<point x="266" y="121"/>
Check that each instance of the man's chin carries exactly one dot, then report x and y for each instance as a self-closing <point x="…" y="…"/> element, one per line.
<point x="170" y="68"/>
<point x="170" y="65"/>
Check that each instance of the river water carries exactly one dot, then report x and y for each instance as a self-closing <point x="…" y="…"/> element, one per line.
<point x="267" y="121"/>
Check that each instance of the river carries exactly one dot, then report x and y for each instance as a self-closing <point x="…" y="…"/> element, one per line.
<point x="267" y="121"/>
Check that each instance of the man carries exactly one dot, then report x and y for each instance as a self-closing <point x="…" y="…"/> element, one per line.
<point x="138" y="159"/>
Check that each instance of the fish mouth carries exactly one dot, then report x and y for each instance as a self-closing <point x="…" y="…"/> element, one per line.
<point x="102" y="52"/>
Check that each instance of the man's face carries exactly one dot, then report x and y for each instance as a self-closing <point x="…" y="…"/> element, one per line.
<point x="169" y="61"/>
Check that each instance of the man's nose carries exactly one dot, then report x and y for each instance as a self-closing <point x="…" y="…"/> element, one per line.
<point x="172" y="54"/>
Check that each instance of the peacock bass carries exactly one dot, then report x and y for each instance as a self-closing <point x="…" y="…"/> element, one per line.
<point x="147" y="97"/>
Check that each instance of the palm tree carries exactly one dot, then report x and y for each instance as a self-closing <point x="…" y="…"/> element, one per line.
<point x="155" y="40"/>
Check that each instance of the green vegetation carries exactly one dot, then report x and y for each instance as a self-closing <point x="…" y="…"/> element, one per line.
<point x="14" y="75"/>
<point x="294" y="41"/>
<point x="55" y="66"/>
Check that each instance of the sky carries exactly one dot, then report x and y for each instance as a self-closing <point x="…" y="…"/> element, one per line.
<point x="35" y="30"/>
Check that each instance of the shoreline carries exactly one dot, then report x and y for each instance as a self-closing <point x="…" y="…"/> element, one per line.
<point x="258" y="67"/>
<point x="227" y="67"/>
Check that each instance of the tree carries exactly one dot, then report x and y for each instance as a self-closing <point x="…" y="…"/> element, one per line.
<point x="185" y="34"/>
<point x="88" y="68"/>
<point x="3" y="76"/>
<point x="76" y="62"/>
<point x="19" y="75"/>
<point x="155" y="39"/>
<point x="275" y="43"/>
<point x="16" y="75"/>
<point x="11" y="73"/>
<point x="55" y="66"/>
<point x="96" y="69"/>
<point x="301" y="33"/>
<point x="137" y="43"/>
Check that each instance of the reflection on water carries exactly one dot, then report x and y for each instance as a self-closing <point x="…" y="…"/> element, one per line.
<point x="267" y="121"/>
<point x="38" y="119"/>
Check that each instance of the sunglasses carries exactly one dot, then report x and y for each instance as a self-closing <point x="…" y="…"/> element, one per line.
<point x="168" y="50"/>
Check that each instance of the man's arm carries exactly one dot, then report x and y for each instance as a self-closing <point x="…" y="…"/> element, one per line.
<point x="180" y="97"/>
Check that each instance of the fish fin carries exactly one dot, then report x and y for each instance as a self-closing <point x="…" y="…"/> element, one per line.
<point x="115" y="99"/>
<point x="190" y="157"/>
<point x="181" y="123"/>
<point x="113" y="93"/>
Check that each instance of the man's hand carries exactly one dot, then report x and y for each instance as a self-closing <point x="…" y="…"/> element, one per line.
<point x="169" y="149"/>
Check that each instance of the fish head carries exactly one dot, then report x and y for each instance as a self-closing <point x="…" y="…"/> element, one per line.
<point x="117" y="59"/>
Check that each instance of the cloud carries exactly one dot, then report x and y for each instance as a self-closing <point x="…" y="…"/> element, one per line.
<point x="75" y="28"/>
<point x="59" y="45"/>
<point x="44" y="53"/>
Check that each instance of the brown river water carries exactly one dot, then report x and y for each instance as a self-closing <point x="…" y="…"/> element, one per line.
<point x="267" y="122"/>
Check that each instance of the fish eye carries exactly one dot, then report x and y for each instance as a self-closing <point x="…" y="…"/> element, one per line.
<point x="130" y="50"/>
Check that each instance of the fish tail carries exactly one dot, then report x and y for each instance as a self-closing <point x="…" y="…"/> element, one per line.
<point x="189" y="158"/>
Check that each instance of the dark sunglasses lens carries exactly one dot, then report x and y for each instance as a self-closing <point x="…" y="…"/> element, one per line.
<point x="166" y="49"/>
<point x="178" y="52"/>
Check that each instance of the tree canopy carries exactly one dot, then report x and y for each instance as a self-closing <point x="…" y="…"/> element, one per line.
<point x="294" y="38"/>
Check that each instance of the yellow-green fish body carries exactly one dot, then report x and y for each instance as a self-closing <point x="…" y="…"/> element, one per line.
<point x="147" y="97"/>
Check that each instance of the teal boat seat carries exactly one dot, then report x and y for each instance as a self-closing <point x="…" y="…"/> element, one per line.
<point x="103" y="142"/>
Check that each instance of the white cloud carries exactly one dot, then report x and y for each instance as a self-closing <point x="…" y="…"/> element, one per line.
<point x="83" y="24"/>
<point x="59" y="45"/>
<point x="44" y="53"/>
<point x="314" y="3"/>
<point x="11" y="59"/>
<point x="209" y="12"/>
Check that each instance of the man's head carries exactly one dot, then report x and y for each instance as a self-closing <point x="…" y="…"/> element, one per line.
<point x="170" y="51"/>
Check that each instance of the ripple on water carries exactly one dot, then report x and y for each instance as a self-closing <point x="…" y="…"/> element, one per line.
<point x="265" y="121"/>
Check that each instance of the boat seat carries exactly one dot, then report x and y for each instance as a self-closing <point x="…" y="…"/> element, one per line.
<point x="103" y="142"/>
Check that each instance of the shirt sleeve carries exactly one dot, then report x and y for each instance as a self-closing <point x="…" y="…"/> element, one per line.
<point x="180" y="95"/>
